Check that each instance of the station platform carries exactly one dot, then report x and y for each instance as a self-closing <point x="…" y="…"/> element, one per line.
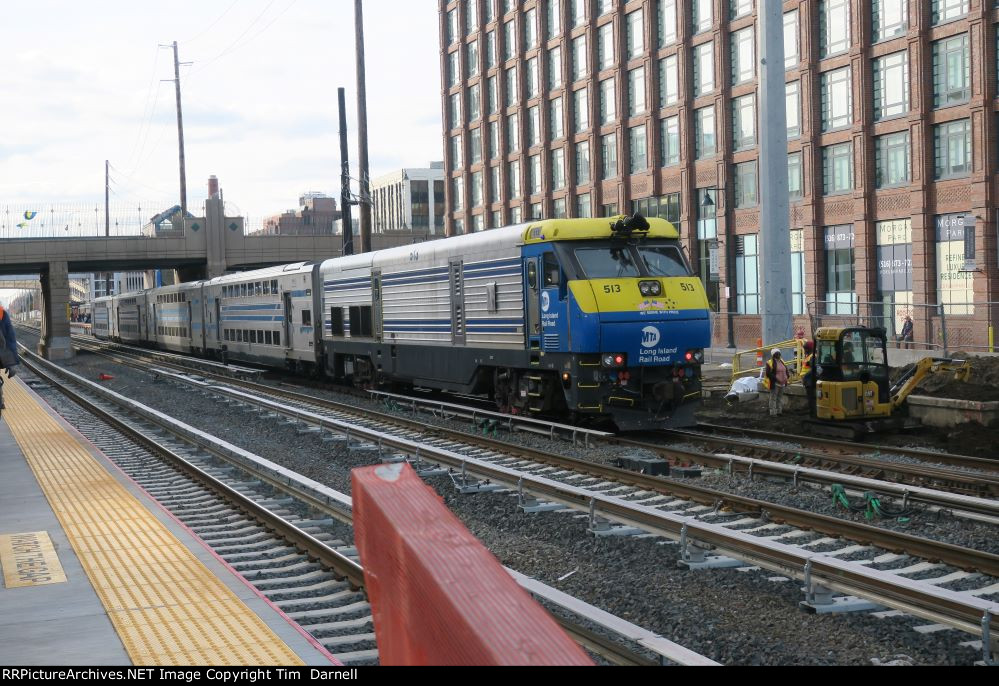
<point x="96" y="573"/>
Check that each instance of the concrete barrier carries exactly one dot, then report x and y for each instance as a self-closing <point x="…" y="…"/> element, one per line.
<point x="947" y="412"/>
<point x="438" y="597"/>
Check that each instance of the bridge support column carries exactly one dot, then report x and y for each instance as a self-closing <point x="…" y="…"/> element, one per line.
<point x="54" y="343"/>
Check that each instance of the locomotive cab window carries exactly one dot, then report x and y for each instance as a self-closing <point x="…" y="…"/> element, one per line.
<point x="662" y="260"/>
<point x="552" y="271"/>
<point x="607" y="262"/>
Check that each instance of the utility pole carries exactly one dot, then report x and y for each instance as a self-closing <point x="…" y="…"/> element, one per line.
<point x="362" y="130"/>
<point x="345" y="201"/>
<point x="180" y="132"/>
<point x="107" y="189"/>
<point x="775" y="224"/>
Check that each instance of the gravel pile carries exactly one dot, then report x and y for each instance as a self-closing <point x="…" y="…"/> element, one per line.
<point x="730" y="616"/>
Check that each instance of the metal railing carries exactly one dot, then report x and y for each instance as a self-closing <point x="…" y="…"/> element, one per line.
<point x="965" y="327"/>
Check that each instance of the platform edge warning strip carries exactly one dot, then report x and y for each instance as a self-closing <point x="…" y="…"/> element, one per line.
<point x="166" y="606"/>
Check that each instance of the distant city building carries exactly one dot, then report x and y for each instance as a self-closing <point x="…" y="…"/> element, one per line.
<point x="409" y="199"/>
<point x="316" y="214"/>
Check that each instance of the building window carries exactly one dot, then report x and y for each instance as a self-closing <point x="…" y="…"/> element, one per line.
<point x="554" y="68"/>
<point x="952" y="149"/>
<point x="794" y="175"/>
<point x="583" y="208"/>
<point x="891" y="160"/>
<point x="609" y="210"/>
<point x="951" y="71"/>
<point x="636" y="33"/>
<point x="792" y="108"/>
<point x="667" y="23"/>
<point x="608" y="107"/>
<point x="492" y="95"/>
<point x="670" y="141"/>
<point x="452" y="26"/>
<point x="474" y="107"/>
<point x="638" y="149"/>
<point x="891" y="85"/>
<point x="558" y="169"/>
<point x="578" y="11"/>
<point x="511" y="86"/>
<point x="837" y="168"/>
<point x="490" y="13"/>
<point x="490" y="49"/>
<point x="513" y="179"/>
<point x="477" y="189"/>
<point x="669" y="81"/>
<point x="579" y="70"/>
<point x="457" y="192"/>
<point x="530" y="29"/>
<point x="509" y="39"/>
<point x="704" y="132"/>
<point x="740" y="8"/>
<point x="942" y="11"/>
<point x="704" y="69"/>
<point x="494" y="149"/>
<point x="791" y="42"/>
<point x="557" y="118"/>
<point x="608" y="154"/>
<point x="513" y="133"/>
<point x="536" y="212"/>
<point x="471" y="18"/>
<point x="453" y="68"/>
<point x="604" y="7"/>
<point x="889" y="18"/>
<point x="743" y="59"/>
<point x="841" y="298"/>
<point x="475" y="142"/>
<point x="554" y="17"/>
<point x="533" y="126"/>
<point x="834" y="27"/>
<point x="454" y="101"/>
<point x="456" y="157"/>
<point x="955" y="285"/>
<point x="745" y="184"/>
<point x="516" y="215"/>
<point x="744" y="122"/>
<point x="747" y="275"/>
<point x="797" y="271"/>
<point x="534" y="175"/>
<point x="837" y="99"/>
<point x="531" y="78"/>
<point x="582" y="163"/>
<point x="473" y="59"/>
<point x="497" y="219"/>
<point x="494" y="185"/>
<point x="605" y="46"/>
<point x="894" y="246"/>
<point x="559" y="208"/>
<point x="581" y="109"/>
<point x="636" y="92"/>
<point x="701" y="18"/>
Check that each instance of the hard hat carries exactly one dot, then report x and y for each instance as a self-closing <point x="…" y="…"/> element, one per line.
<point x="774" y="353"/>
<point x="809" y="346"/>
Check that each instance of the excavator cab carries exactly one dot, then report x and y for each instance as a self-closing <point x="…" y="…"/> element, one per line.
<point x="853" y="380"/>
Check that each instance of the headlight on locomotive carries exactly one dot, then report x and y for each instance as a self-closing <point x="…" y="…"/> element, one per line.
<point x="614" y="360"/>
<point x="647" y="288"/>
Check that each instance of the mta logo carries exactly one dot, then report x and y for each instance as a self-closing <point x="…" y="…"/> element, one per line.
<point x="650" y="337"/>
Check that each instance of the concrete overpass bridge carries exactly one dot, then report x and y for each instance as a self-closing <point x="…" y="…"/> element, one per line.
<point x="198" y="247"/>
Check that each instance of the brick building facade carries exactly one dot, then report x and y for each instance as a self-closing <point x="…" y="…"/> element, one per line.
<point x="590" y="107"/>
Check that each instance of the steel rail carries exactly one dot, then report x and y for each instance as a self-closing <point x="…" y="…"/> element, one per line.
<point x="602" y="645"/>
<point x="914" y="597"/>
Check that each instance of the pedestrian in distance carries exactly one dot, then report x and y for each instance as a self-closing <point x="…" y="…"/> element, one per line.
<point x="776" y="378"/>
<point x="906" y="335"/>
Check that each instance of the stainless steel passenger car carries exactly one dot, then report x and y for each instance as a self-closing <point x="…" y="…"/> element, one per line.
<point x="265" y="316"/>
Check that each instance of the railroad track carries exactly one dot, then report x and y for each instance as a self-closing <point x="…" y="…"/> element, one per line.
<point x="699" y="518"/>
<point x="261" y="519"/>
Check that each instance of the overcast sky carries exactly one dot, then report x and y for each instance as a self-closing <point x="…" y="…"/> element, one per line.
<point x="80" y="83"/>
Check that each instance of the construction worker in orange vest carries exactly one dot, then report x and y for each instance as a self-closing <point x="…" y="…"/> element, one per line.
<point x="808" y="376"/>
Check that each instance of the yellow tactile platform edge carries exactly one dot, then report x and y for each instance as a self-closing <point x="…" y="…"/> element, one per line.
<point x="166" y="606"/>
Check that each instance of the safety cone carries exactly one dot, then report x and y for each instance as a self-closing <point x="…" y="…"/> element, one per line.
<point x="104" y="377"/>
<point x="759" y="352"/>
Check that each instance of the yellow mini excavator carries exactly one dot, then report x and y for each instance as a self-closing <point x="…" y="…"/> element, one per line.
<point x="854" y="394"/>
